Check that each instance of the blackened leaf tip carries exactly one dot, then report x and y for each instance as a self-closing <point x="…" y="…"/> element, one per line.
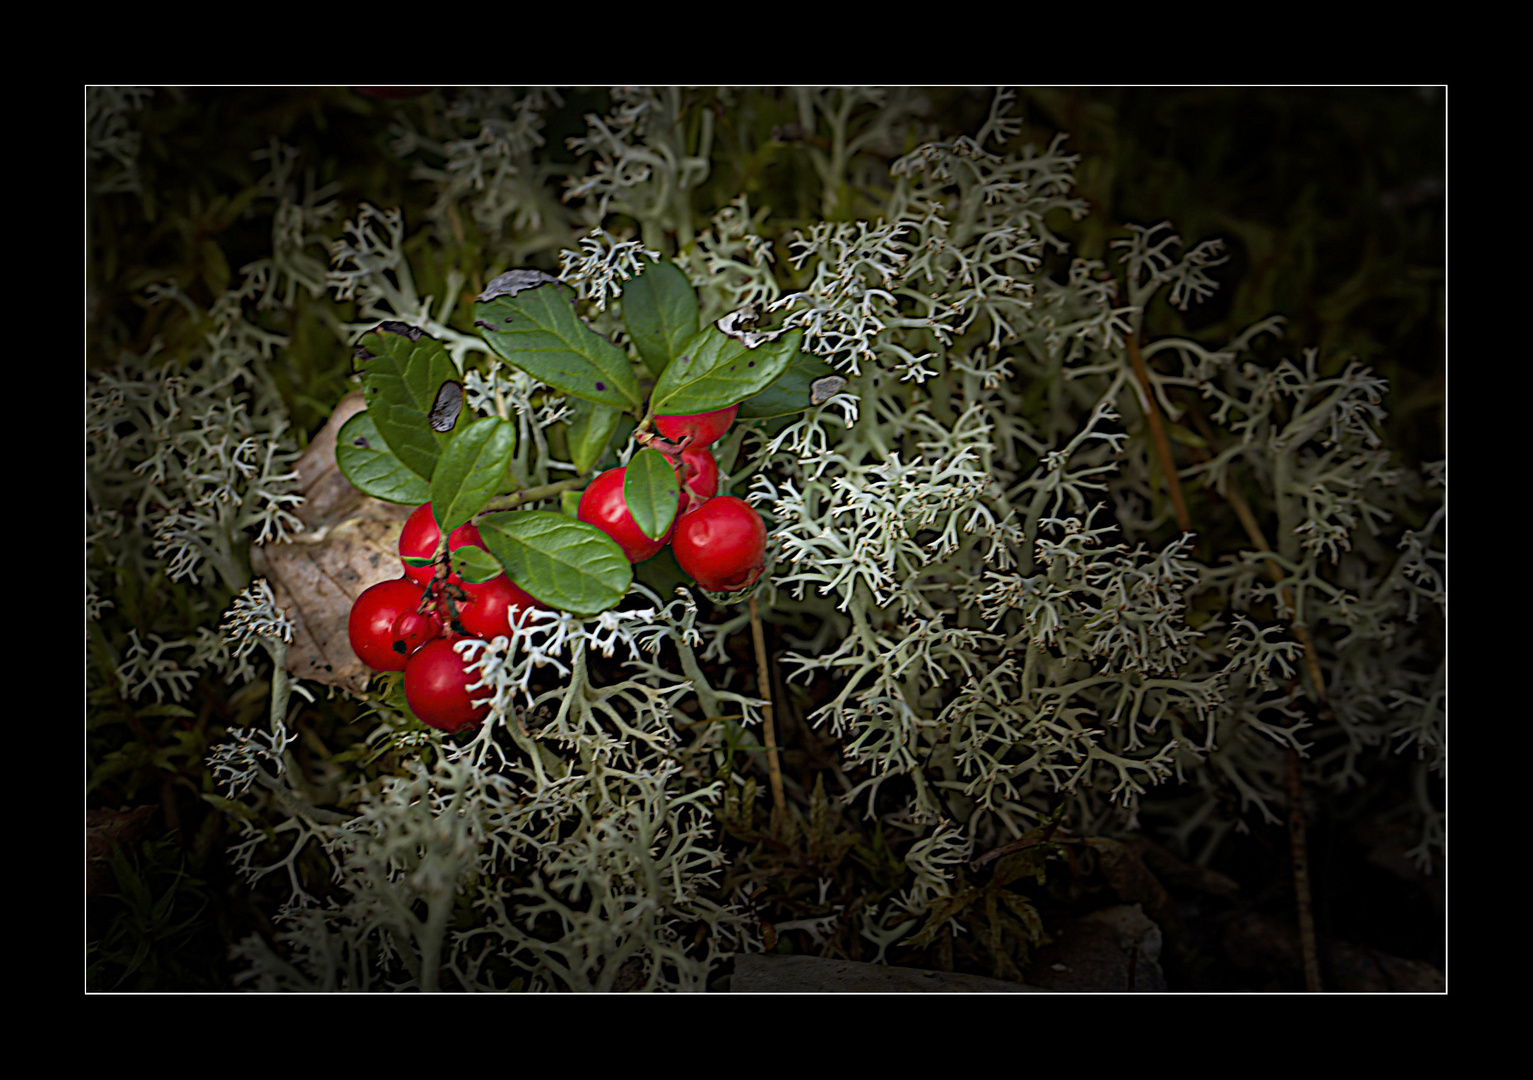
<point x="447" y="406"/>
<point x="402" y="329"/>
<point x="825" y="388"/>
<point x="741" y="325"/>
<point x="514" y="281"/>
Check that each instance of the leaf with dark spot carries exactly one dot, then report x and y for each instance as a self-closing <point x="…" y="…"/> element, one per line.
<point x="550" y="342"/>
<point x="403" y="382"/>
<point x="372" y="468"/>
<point x="707" y="374"/>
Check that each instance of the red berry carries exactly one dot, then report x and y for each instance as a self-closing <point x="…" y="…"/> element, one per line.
<point x="721" y="544"/>
<point x="419" y="539"/>
<point x="436" y="686"/>
<point x="374" y="614"/>
<point x="487" y="613"/>
<point x="414" y="629"/>
<point x="602" y="504"/>
<point x="698" y="474"/>
<point x="704" y="429"/>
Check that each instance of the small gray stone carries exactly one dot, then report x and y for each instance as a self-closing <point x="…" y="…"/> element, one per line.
<point x="1109" y="951"/>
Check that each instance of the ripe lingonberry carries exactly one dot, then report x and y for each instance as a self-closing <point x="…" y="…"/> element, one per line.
<point x="412" y="629"/>
<point x="490" y="605"/>
<point x="721" y="544"/>
<point x="420" y="537"/>
<point x="436" y="686"/>
<point x="371" y="623"/>
<point x="704" y="429"/>
<point x="602" y="504"/>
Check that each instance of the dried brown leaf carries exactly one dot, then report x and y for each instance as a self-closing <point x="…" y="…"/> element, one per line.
<point x="351" y="542"/>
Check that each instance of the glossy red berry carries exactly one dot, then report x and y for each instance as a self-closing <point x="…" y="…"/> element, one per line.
<point x="721" y="544"/>
<point x="436" y="686"/>
<point x="412" y="629"/>
<point x="490" y="605"/>
<point x="419" y="539"/>
<point x="370" y="625"/>
<point x="602" y="504"/>
<point x="698" y="475"/>
<point x="704" y="429"/>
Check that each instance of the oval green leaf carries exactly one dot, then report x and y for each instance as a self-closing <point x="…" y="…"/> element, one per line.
<point x="366" y="460"/>
<point x="402" y="376"/>
<point x="660" y="313"/>
<point x="474" y="564"/>
<point x="651" y="492"/>
<point x="538" y="330"/>
<point x="789" y="393"/>
<point x="569" y="565"/>
<point x="716" y="371"/>
<point x="472" y="468"/>
<point x="590" y="432"/>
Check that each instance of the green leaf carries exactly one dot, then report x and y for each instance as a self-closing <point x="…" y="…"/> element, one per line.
<point x="716" y="371"/>
<point x="661" y="572"/>
<point x="590" y="431"/>
<point x="474" y="564"/>
<point x="403" y="373"/>
<point x="626" y="423"/>
<point x="471" y="470"/>
<point x="660" y="312"/>
<point x="651" y="492"/>
<point x="366" y="460"/>
<point x="789" y="393"/>
<point x="569" y="565"/>
<point x="537" y="329"/>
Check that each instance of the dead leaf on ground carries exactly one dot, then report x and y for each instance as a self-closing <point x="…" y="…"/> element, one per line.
<point x="351" y="541"/>
<point x="327" y="495"/>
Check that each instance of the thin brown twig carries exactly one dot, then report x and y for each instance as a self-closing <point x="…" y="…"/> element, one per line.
<point x="1158" y="435"/>
<point x="768" y="729"/>
<point x="1298" y="843"/>
<point x="1020" y="844"/>
<point x="1293" y="780"/>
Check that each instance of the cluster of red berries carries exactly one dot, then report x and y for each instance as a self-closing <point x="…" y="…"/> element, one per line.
<point x="410" y="623"/>
<point x="719" y="540"/>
